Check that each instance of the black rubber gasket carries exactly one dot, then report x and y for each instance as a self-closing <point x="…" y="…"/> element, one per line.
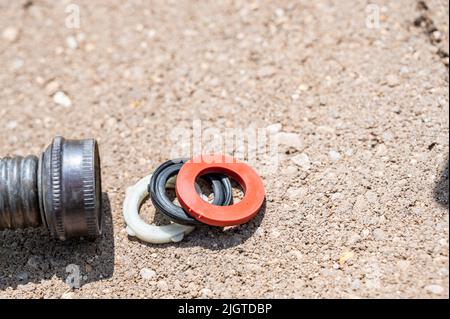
<point x="220" y="183"/>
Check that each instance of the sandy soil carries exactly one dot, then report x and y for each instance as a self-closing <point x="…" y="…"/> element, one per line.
<point x="359" y="208"/>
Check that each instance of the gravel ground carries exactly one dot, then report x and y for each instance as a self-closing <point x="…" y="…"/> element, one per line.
<point x="358" y="206"/>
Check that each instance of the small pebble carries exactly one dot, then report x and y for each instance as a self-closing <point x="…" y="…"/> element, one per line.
<point x="10" y="34"/>
<point x="334" y="155"/>
<point x="274" y="128"/>
<point x="296" y="193"/>
<point x="360" y="204"/>
<point x="12" y="125"/>
<point x="303" y="87"/>
<point x="89" y="47"/>
<point x="289" y="139"/>
<point x="71" y="42"/>
<point x="353" y="239"/>
<point x="162" y="285"/>
<point x="290" y="170"/>
<point x="345" y="257"/>
<point x="279" y="12"/>
<point x="111" y="122"/>
<point x="147" y="273"/>
<point x="295" y="254"/>
<point x="435" y="289"/>
<point x="371" y="197"/>
<point x="68" y="295"/>
<point x="302" y="160"/>
<point x="275" y="233"/>
<point x="355" y="284"/>
<point x="392" y="80"/>
<point x="17" y="64"/>
<point x="206" y="293"/>
<point x="437" y="35"/>
<point x="378" y="234"/>
<point x="62" y="99"/>
<point x="335" y="196"/>
<point x="365" y="233"/>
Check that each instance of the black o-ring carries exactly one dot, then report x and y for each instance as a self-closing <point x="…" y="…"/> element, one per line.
<point x="220" y="183"/>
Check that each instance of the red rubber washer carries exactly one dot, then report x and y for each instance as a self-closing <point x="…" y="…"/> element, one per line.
<point x="207" y="213"/>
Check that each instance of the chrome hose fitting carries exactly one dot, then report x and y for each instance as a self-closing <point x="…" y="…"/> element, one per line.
<point x="61" y="190"/>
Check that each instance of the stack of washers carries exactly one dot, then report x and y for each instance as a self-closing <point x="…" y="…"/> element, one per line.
<point x="183" y="175"/>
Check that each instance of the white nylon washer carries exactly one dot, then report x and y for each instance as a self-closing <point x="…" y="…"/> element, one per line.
<point x="136" y="227"/>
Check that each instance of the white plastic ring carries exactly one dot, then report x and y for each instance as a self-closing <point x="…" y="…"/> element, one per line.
<point x="136" y="227"/>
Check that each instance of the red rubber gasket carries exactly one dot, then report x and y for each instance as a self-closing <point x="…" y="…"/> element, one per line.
<point x="207" y="213"/>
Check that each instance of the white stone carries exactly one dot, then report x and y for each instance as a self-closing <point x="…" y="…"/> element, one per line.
<point x="290" y="170"/>
<point x="68" y="295"/>
<point x="365" y="233"/>
<point x="71" y="43"/>
<point x="162" y="285"/>
<point x="147" y="273"/>
<point x="151" y="33"/>
<point x="12" y="125"/>
<point x="89" y="47"/>
<point x="302" y="160"/>
<point x="435" y="289"/>
<point x="360" y="204"/>
<point x="275" y="233"/>
<point x="334" y="155"/>
<point x="353" y="239"/>
<point x="296" y="254"/>
<point x="205" y="292"/>
<point x="303" y="87"/>
<point x="295" y="96"/>
<point x="335" y="196"/>
<point x="279" y="12"/>
<point x="289" y="139"/>
<point x="62" y="99"/>
<point x="378" y="234"/>
<point x="355" y="284"/>
<point x="371" y="197"/>
<point x="17" y="64"/>
<point x="296" y="193"/>
<point x="274" y="128"/>
<point x="10" y="34"/>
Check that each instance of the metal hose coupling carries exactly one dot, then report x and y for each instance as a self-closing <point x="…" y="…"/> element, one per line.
<point x="61" y="190"/>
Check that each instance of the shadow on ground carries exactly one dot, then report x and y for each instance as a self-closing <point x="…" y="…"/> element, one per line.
<point x="32" y="256"/>
<point x="441" y="189"/>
